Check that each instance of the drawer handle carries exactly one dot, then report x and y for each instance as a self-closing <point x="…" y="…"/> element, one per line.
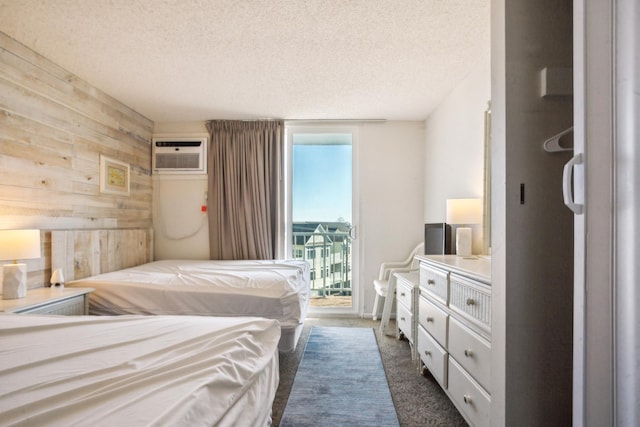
<point x="431" y="282"/>
<point x="430" y="319"/>
<point x="427" y="353"/>
<point x="402" y="319"/>
<point x="468" y="352"/>
<point x="467" y="399"/>
<point x="401" y="294"/>
<point x="471" y="301"/>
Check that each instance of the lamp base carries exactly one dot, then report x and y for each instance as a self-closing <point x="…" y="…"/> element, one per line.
<point x="14" y="281"/>
<point x="463" y="241"/>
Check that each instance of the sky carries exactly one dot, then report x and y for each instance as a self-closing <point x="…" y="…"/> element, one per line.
<point x="321" y="182"/>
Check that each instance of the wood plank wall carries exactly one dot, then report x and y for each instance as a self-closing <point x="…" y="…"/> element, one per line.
<point x="84" y="253"/>
<point x="53" y="128"/>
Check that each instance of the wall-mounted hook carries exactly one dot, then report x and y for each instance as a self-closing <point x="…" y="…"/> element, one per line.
<point x="553" y="145"/>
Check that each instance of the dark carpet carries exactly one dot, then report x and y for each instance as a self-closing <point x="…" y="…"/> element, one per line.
<point x="340" y="382"/>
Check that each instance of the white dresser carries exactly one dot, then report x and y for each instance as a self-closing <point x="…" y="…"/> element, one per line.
<point x="454" y="330"/>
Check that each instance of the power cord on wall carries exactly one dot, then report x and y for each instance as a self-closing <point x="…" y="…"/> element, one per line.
<point x="165" y="205"/>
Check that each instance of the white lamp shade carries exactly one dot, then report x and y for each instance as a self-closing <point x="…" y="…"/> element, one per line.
<point x="464" y="211"/>
<point x="19" y="244"/>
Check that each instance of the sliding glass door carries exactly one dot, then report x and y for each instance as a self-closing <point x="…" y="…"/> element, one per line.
<point x="320" y="213"/>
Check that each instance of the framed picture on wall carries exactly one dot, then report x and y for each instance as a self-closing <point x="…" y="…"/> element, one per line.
<point x="114" y="176"/>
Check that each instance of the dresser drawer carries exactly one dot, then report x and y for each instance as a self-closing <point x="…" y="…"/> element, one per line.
<point x="472" y="300"/>
<point x="470" y="399"/>
<point x="471" y="351"/>
<point x="69" y="307"/>
<point x="433" y="319"/>
<point x="404" y="294"/>
<point x="433" y="356"/>
<point x="405" y="321"/>
<point x="435" y="282"/>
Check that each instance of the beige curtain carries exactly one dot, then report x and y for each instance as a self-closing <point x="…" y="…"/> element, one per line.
<point x="245" y="160"/>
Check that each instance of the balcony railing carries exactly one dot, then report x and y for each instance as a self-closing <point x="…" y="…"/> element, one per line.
<point x="329" y="257"/>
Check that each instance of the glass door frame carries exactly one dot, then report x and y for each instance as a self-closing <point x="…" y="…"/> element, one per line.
<point x="313" y="127"/>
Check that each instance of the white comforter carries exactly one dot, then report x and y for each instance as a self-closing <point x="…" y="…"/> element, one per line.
<point x="272" y="289"/>
<point x="137" y="371"/>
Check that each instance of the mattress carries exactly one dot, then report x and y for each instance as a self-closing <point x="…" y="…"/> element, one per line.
<point x="137" y="370"/>
<point x="265" y="288"/>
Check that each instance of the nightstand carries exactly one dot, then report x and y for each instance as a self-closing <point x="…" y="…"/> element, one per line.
<point x="407" y="285"/>
<point x="67" y="301"/>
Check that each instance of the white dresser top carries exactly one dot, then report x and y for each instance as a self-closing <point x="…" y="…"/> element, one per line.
<point x="473" y="267"/>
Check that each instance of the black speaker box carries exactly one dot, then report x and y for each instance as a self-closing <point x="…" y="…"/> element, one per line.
<point x="437" y="239"/>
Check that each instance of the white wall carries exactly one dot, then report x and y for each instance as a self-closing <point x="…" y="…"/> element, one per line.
<point x="390" y="171"/>
<point x="454" y="147"/>
<point x="181" y="229"/>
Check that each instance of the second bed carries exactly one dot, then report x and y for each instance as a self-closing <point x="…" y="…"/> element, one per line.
<point x="271" y="289"/>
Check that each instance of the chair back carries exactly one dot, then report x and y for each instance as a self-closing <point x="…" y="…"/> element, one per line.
<point x="411" y="263"/>
<point x="415" y="264"/>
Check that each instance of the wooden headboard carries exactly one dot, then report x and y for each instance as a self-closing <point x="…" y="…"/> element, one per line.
<point x="84" y="253"/>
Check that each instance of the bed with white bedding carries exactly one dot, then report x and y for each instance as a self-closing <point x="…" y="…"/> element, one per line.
<point x="137" y="370"/>
<point x="272" y="289"/>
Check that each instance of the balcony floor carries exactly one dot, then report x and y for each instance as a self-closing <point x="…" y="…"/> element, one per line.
<point x="331" y="301"/>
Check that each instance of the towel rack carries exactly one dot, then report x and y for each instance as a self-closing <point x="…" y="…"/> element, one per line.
<point x="552" y="145"/>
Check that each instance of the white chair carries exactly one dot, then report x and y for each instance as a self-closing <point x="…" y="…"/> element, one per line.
<point x="385" y="285"/>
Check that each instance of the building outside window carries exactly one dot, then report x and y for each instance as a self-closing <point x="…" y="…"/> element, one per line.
<point x="327" y="246"/>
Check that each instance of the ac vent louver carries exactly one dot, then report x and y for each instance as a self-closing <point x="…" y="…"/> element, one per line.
<point x="179" y="155"/>
<point x="177" y="161"/>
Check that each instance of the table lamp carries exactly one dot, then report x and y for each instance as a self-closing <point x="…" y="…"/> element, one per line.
<point x="464" y="212"/>
<point x="17" y="245"/>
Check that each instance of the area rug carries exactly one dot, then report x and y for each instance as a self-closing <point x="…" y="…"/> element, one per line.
<point x="340" y="382"/>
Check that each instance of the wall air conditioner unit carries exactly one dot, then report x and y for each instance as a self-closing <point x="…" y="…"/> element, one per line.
<point x="179" y="155"/>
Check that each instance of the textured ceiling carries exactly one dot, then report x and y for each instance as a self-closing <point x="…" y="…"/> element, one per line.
<point x="193" y="60"/>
